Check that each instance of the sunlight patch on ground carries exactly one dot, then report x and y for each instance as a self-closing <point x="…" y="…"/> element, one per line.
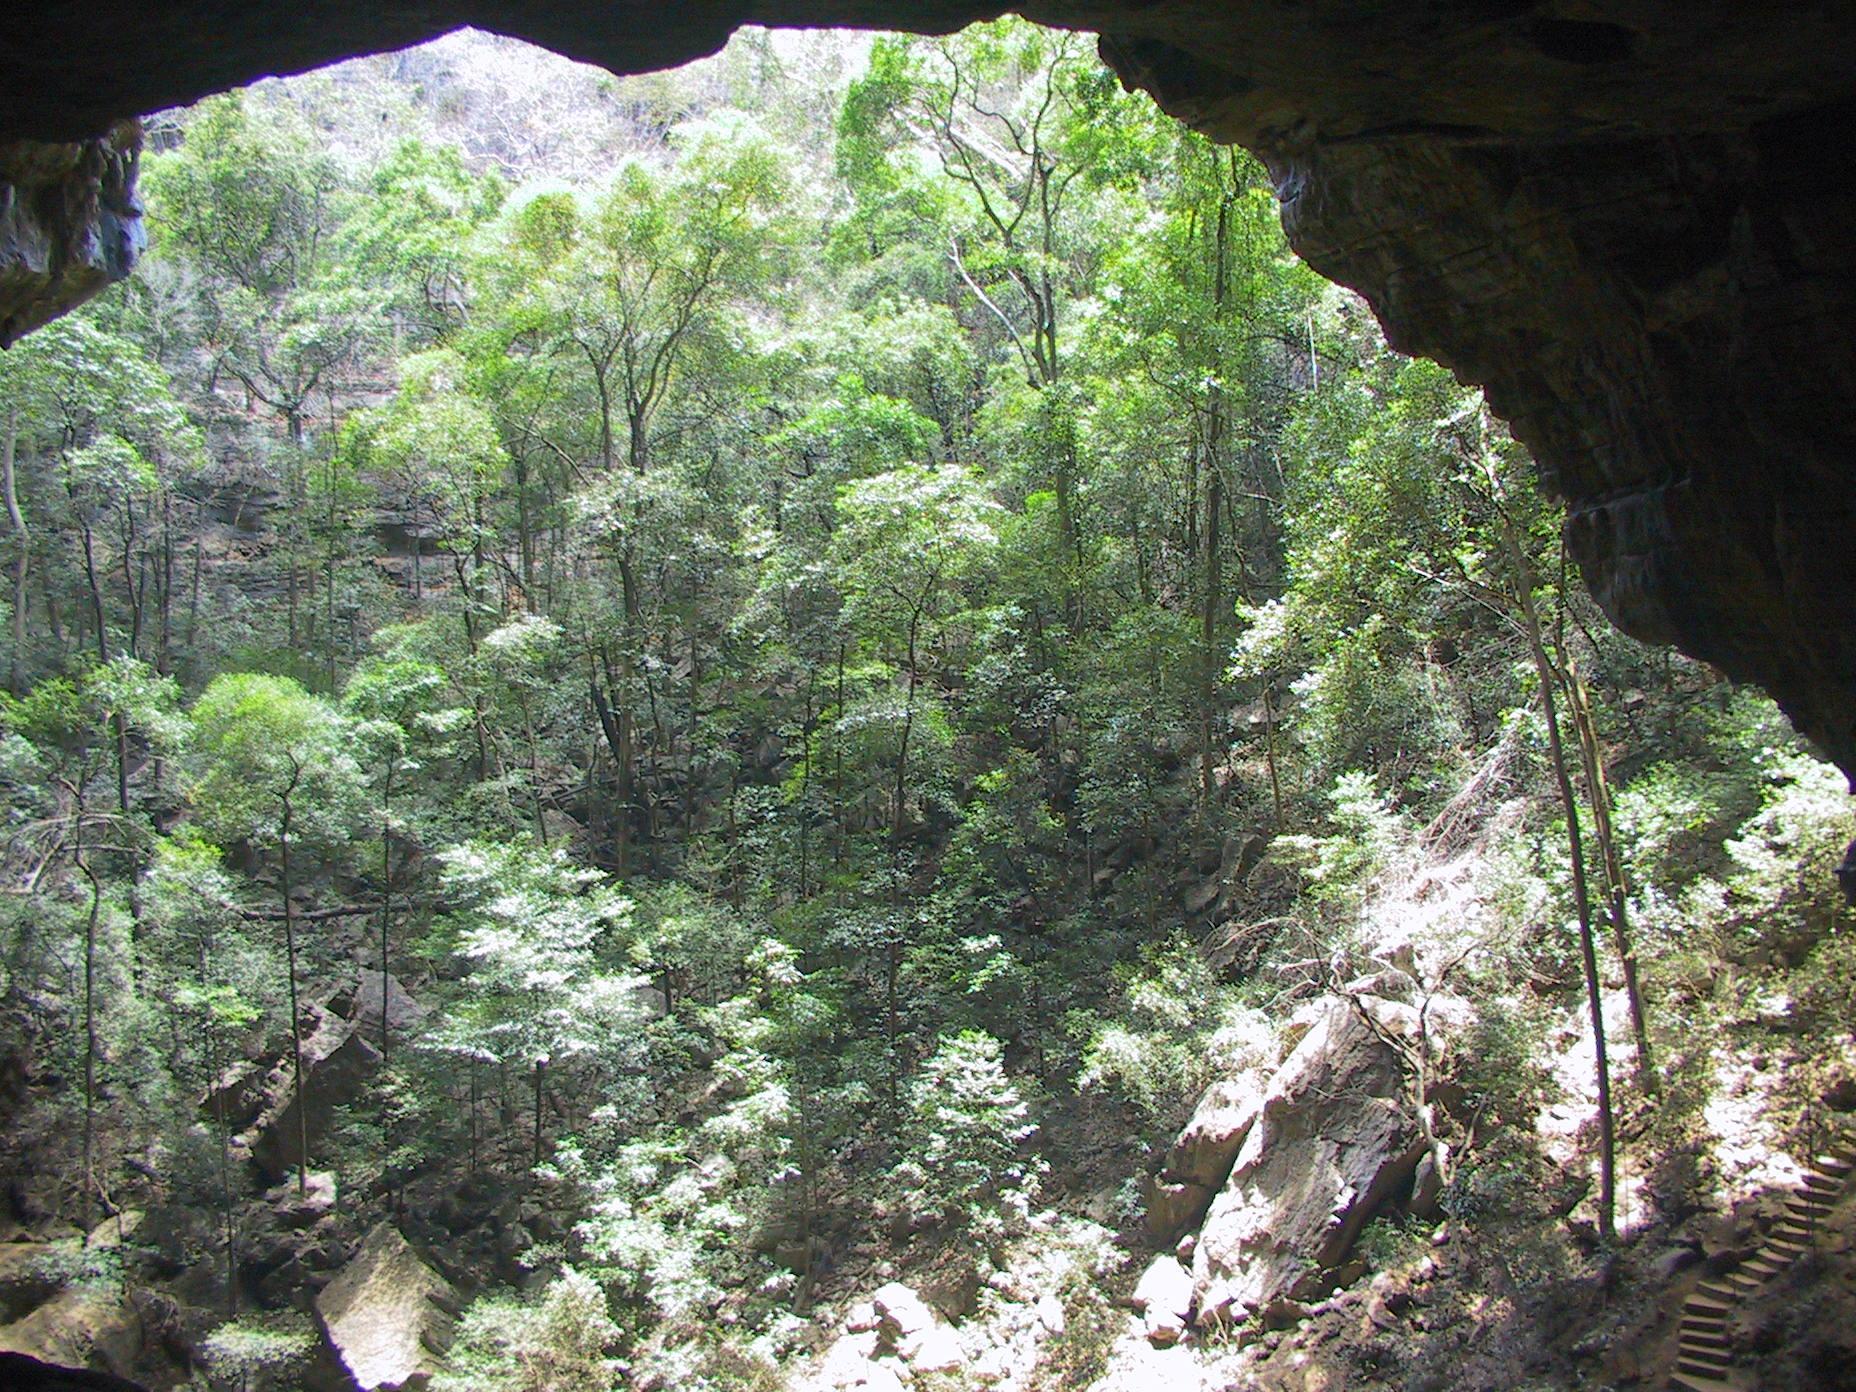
<point x="1748" y="1152"/>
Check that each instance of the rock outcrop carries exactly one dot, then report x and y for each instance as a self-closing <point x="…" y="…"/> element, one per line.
<point x="50" y="1312"/>
<point x="336" y="1061"/>
<point x="385" y="1315"/>
<point x="1331" y="1143"/>
<point x="69" y="224"/>
<point x="1201" y="1159"/>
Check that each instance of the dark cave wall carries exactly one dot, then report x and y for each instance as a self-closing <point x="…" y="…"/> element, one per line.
<point x="1629" y="220"/>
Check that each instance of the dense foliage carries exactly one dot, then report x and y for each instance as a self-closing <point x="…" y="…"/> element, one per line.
<point x="765" y="643"/>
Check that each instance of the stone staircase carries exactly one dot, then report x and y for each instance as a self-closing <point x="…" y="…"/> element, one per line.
<point x="1704" y="1347"/>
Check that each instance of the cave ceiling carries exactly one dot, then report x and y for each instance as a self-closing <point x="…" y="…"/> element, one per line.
<point x="1633" y="223"/>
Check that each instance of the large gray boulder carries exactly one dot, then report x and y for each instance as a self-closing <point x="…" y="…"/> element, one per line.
<point x="404" y="1014"/>
<point x="385" y="1315"/>
<point x="1331" y="1142"/>
<point x="337" y="1061"/>
<point x="1209" y="1144"/>
<point x="81" y="1326"/>
<point x="1201" y="1159"/>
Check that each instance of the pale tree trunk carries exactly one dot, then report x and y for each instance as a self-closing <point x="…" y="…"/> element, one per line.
<point x="1214" y="510"/>
<point x="296" y="1020"/>
<point x="1523" y="581"/>
<point x="1598" y="787"/>
<point x="9" y="444"/>
<point x="82" y="860"/>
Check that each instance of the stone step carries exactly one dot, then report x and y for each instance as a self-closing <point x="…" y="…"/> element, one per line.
<point x="1703" y="1339"/>
<point x="1701" y="1382"/>
<point x="1703" y="1361"/>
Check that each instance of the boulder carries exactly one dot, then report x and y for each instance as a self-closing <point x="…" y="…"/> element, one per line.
<point x="909" y="1329"/>
<point x="1330" y="1144"/>
<point x="303" y="1206"/>
<point x="404" y="1014"/>
<point x="336" y="1061"/>
<point x="31" y="1273"/>
<point x="1049" y="1313"/>
<point x="1163" y="1299"/>
<point x="1208" y="1146"/>
<point x="89" y="1326"/>
<point x="385" y="1315"/>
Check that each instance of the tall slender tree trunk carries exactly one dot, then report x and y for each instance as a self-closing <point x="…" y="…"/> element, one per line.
<point x="82" y="860"/>
<point x="1578" y="699"/>
<point x="293" y="425"/>
<point x="626" y="755"/>
<point x="96" y="591"/>
<point x="164" y="656"/>
<point x="386" y="899"/>
<point x="193" y="600"/>
<point x="837" y="772"/>
<point x="1210" y="663"/>
<point x="296" y="1019"/>
<point x="1582" y="903"/>
<point x="475" y="1103"/>
<point x="9" y="445"/>
<point x="897" y="813"/>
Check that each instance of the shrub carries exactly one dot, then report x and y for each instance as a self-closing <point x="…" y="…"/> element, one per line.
<point x="558" y="1343"/>
<point x="963" y="1135"/>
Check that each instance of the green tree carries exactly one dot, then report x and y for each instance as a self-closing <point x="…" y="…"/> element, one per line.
<point x="274" y="772"/>
<point x="536" y="933"/>
<point x="964" y="1138"/>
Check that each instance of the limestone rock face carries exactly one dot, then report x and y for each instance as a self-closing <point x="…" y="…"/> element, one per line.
<point x="1330" y="1144"/>
<point x="69" y="224"/>
<point x="1634" y="223"/>
<point x="384" y="1315"/>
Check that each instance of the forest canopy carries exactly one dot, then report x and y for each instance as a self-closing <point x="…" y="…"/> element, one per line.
<point x="751" y="606"/>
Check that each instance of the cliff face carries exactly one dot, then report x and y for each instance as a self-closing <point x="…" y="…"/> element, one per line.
<point x="1631" y="220"/>
<point x="69" y="224"/>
